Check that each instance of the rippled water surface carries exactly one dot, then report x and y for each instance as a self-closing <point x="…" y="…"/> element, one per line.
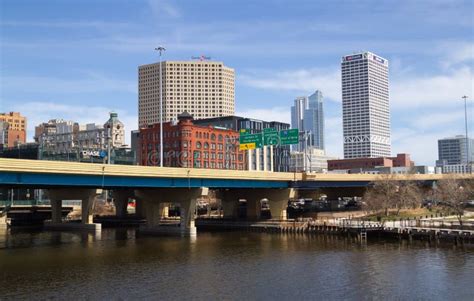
<point x="118" y="264"/>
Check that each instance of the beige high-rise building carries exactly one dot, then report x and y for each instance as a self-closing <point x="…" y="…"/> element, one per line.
<point x="204" y="89"/>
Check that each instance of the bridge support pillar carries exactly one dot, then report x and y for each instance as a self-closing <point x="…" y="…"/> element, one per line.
<point x="139" y="207"/>
<point x="230" y="208"/>
<point x="156" y="200"/>
<point x="254" y="208"/>
<point x="121" y="201"/>
<point x="229" y="203"/>
<point x="87" y="197"/>
<point x="56" y="210"/>
<point x="277" y="200"/>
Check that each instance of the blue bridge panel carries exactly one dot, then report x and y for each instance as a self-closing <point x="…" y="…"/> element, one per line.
<point x="62" y="180"/>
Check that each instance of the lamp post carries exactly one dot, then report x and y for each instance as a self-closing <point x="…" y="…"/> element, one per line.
<point x="468" y="155"/>
<point x="161" y="49"/>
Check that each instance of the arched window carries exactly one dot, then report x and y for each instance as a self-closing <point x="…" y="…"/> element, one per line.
<point x="220" y="137"/>
<point x="198" y="144"/>
<point x="213" y="137"/>
<point x="206" y="145"/>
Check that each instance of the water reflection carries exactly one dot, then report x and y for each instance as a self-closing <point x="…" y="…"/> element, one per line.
<point x="121" y="264"/>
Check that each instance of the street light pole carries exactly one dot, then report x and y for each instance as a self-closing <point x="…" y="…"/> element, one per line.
<point x="161" y="49"/>
<point x="468" y="155"/>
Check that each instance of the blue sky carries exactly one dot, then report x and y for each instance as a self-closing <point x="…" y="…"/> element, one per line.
<point x="78" y="59"/>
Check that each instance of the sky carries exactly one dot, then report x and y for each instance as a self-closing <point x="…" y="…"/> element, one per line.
<point x="78" y="59"/>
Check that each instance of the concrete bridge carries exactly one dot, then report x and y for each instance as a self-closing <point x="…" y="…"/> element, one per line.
<point x="155" y="187"/>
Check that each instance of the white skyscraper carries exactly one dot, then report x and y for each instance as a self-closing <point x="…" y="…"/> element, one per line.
<point x="365" y="106"/>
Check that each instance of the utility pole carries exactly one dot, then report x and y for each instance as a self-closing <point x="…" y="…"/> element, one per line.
<point x="468" y="155"/>
<point x="161" y="49"/>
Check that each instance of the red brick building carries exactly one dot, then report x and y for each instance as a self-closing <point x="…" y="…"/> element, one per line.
<point x="401" y="160"/>
<point x="190" y="145"/>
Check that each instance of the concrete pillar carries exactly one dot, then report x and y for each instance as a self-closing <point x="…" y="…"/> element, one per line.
<point x="278" y="209"/>
<point x="153" y="213"/>
<point x="87" y="205"/>
<point x="165" y="210"/>
<point x="230" y="208"/>
<point x="87" y="197"/>
<point x="3" y="221"/>
<point x="186" y="223"/>
<point x="277" y="200"/>
<point x="249" y="159"/>
<point x="56" y="211"/>
<point x="265" y="161"/>
<point x="272" y="168"/>
<point x="121" y="201"/>
<point x="156" y="201"/>
<point x="257" y="159"/>
<point x="139" y="208"/>
<point x="253" y="208"/>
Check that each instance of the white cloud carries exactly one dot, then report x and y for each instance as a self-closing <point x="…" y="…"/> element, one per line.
<point x="162" y="8"/>
<point x="456" y="53"/>
<point x="302" y="80"/>
<point x="39" y="112"/>
<point x="431" y="91"/>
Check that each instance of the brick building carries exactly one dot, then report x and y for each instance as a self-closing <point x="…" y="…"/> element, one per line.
<point x="401" y="160"/>
<point x="190" y="145"/>
<point x="13" y="129"/>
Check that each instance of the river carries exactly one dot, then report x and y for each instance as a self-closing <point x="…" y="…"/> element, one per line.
<point x="119" y="264"/>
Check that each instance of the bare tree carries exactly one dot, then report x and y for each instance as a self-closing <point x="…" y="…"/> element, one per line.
<point x="380" y="195"/>
<point x="391" y="192"/>
<point x="452" y="194"/>
<point x="409" y="194"/>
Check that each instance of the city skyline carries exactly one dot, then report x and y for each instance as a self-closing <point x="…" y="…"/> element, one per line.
<point x="87" y="66"/>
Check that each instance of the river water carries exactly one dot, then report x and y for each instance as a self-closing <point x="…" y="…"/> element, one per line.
<point x="119" y="264"/>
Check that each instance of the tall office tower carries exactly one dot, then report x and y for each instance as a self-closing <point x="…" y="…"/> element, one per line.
<point x="365" y="106"/>
<point x="313" y="120"/>
<point x="307" y="115"/>
<point x="204" y="89"/>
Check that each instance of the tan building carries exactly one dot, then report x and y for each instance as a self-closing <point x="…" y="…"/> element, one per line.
<point x="204" y="89"/>
<point x="15" y="128"/>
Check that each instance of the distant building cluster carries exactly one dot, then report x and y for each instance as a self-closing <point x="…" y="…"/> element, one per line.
<point x="200" y="129"/>
<point x="61" y="136"/>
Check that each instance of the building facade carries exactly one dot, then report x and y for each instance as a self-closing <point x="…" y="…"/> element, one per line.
<point x="268" y="158"/>
<point x="313" y="160"/>
<point x="307" y="115"/>
<point x="205" y="89"/>
<point x="190" y="145"/>
<point x="455" y="154"/>
<point x="58" y="136"/>
<point x="362" y="164"/>
<point x="14" y="129"/>
<point x="365" y="106"/>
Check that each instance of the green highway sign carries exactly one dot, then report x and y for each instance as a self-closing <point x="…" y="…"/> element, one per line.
<point x="269" y="130"/>
<point x="251" y="141"/>
<point x="288" y="137"/>
<point x="270" y="136"/>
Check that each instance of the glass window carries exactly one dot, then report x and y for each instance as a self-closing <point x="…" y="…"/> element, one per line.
<point x="198" y="145"/>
